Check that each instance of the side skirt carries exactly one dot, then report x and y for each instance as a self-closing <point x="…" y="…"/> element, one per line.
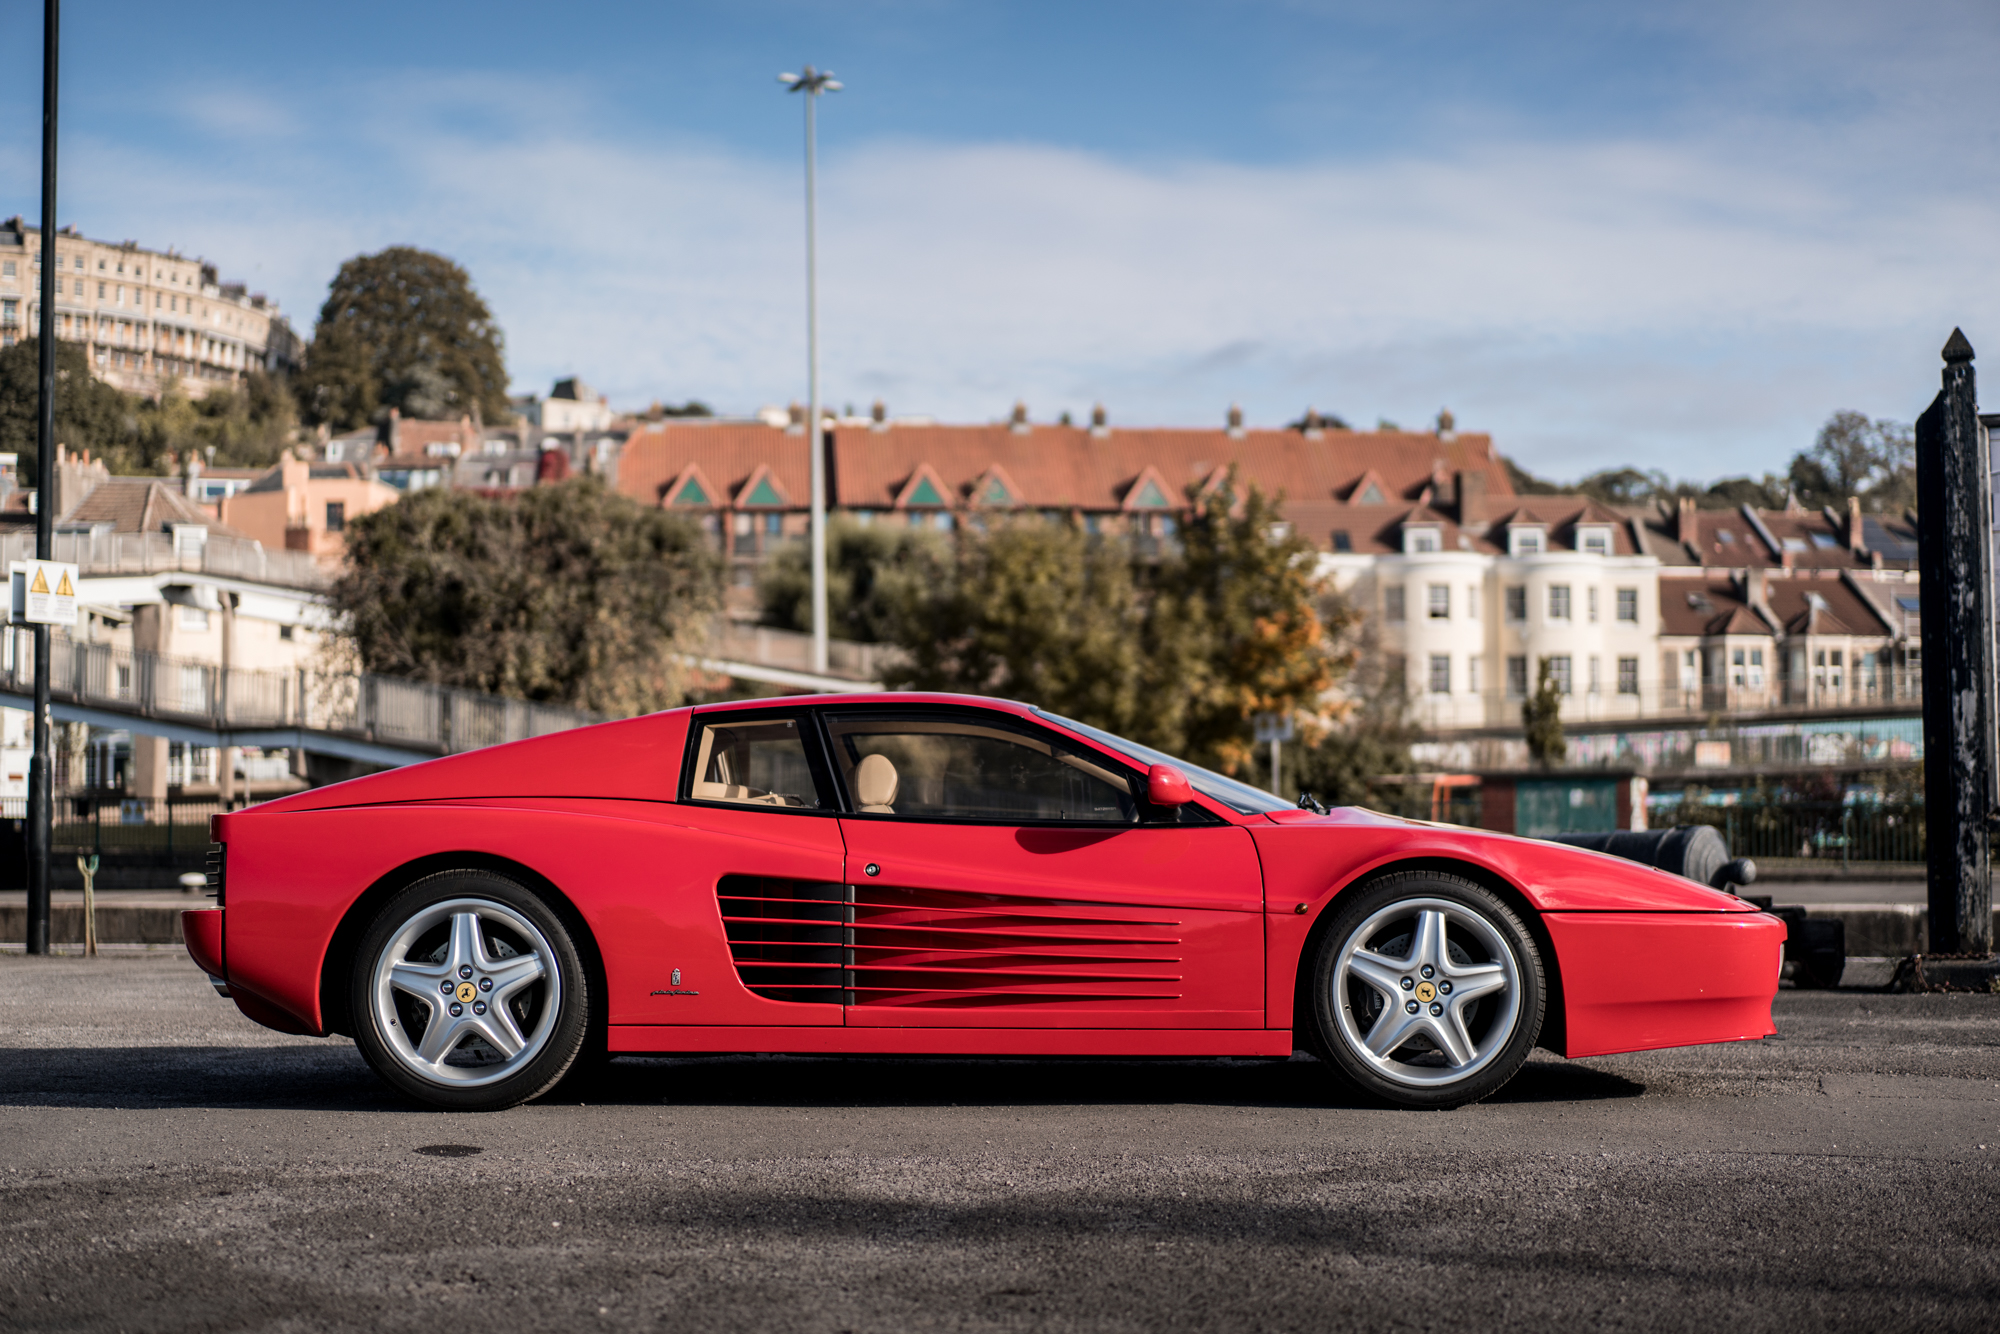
<point x="663" y="1039"/>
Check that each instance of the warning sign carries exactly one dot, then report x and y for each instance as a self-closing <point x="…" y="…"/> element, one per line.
<point x="44" y="592"/>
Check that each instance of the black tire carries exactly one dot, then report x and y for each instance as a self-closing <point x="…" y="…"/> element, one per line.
<point x="495" y="953"/>
<point x="1447" y="962"/>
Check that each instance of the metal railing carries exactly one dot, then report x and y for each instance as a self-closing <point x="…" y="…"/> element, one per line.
<point x="382" y="709"/>
<point x="788" y="649"/>
<point x="1830" y="831"/>
<point x="99" y="822"/>
<point x="1463" y="709"/>
<point x="102" y="553"/>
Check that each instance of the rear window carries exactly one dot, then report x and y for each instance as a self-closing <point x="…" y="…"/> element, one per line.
<point x="755" y="761"/>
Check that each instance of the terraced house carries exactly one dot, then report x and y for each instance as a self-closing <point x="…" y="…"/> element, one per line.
<point x="148" y="319"/>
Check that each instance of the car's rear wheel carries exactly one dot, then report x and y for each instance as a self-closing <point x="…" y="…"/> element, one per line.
<point x="1427" y="990"/>
<point x="469" y="993"/>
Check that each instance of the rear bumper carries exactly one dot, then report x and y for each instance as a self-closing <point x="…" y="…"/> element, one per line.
<point x="1640" y="981"/>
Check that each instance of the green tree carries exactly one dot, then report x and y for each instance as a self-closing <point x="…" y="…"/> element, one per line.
<point x="1541" y="716"/>
<point x="863" y="567"/>
<point x="566" y="594"/>
<point x="1029" y="611"/>
<point x="246" y="427"/>
<point x="1343" y="759"/>
<point x="403" y="329"/>
<point x="89" y="413"/>
<point x="1177" y="652"/>
<point x="1853" y="456"/>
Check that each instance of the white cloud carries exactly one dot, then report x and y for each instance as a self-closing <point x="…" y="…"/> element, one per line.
<point x="1697" y="302"/>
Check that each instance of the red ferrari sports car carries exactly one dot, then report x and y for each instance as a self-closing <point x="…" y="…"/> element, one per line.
<point x="904" y="873"/>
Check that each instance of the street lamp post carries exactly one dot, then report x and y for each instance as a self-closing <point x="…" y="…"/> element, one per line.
<point x="812" y="83"/>
<point x="40" y="789"/>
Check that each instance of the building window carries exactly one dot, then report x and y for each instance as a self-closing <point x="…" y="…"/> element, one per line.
<point x="1628" y="676"/>
<point x="1440" y="673"/>
<point x="1392" y="602"/>
<point x="1397" y="668"/>
<point x="1342" y="541"/>
<point x="336" y="516"/>
<point x="1756" y="668"/>
<point x="1524" y="542"/>
<point x="1559" y="603"/>
<point x="193" y="618"/>
<point x="7" y="269"/>
<point x="1596" y="541"/>
<point x="1628" y="605"/>
<point x="1559" y="672"/>
<point x="1472" y="673"/>
<point x="1517" y="603"/>
<point x="288" y="632"/>
<point x="1517" y="676"/>
<point x="1440" y="602"/>
<point x="1591" y="596"/>
<point x="1472" y="602"/>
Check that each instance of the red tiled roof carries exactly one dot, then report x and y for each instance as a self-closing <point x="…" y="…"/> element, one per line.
<point x="1807" y="604"/>
<point x="1065" y="467"/>
<point x="726" y="452"/>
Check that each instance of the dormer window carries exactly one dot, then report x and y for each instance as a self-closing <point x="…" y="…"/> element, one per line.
<point x="1417" y="540"/>
<point x="1525" y="541"/>
<point x="1594" y="540"/>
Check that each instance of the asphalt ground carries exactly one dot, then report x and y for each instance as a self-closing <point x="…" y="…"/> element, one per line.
<point x="170" y="1166"/>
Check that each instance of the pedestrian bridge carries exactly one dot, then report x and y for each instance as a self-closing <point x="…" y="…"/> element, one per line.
<point x="350" y="715"/>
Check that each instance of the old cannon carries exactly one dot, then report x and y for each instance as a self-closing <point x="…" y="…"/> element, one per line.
<point x="1816" y="947"/>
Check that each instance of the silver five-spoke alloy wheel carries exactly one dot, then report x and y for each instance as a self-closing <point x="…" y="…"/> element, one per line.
<point x="1427" y="992"/>
<point x="466" y="993"/>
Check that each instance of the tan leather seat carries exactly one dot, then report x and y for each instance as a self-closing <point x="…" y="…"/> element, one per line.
<point x="875" y="785"/>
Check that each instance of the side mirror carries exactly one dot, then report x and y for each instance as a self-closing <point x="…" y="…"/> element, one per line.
<point x="1168" y="786"/>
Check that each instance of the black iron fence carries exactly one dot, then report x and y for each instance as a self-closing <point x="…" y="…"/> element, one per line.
<point x="1829" y="830"/>
<point x="108" y="822"/>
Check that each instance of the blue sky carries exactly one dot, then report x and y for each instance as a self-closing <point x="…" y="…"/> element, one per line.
<point x="1672" y="236"/>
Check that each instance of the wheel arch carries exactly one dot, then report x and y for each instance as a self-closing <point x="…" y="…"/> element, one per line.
<point x="1553" y="1035"/>
<point x="337" y="965"/>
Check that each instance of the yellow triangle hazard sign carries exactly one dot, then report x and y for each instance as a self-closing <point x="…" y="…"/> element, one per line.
<point x="64" y="589"/>
<point x="41" y="583"/>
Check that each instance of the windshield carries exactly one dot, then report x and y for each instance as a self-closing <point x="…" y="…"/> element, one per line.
<point x="1238" y="797"/>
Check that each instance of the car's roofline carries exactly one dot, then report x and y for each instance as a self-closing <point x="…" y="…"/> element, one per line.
<point x="889" y="697"/>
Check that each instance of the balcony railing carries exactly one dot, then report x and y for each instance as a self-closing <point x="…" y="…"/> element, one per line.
<point x="382" y="709"/>
<point x="1448" y="710"/>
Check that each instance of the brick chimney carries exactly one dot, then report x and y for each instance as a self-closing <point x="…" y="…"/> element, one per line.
<point x="1018" y="423"/>
<point x="1855" y="542"/>
<point x="1235" y="420"/>
<point x="1099" y="422"/>
<point x="1684" y="526"/>
<point x="1471" y="496"/>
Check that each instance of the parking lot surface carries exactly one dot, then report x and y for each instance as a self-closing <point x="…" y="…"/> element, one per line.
<point x="170" y="1166"/>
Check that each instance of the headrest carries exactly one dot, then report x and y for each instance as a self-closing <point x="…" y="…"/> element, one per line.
<point x="875" y="782"/>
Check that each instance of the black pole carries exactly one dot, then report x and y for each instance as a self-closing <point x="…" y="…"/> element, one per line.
<point x="39" y="787"/>
<point x="1954" y="550"/>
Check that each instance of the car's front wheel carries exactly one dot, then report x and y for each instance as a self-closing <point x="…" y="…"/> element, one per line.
<point x="469" y="993"/>
<point x="1427" y="990"/>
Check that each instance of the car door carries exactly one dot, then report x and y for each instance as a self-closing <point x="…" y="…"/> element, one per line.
<point x="751" y="879"/>
<point x="1003" y="875"/>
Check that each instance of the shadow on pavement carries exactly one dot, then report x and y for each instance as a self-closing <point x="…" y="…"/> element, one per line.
<point x="333" y="1077"/>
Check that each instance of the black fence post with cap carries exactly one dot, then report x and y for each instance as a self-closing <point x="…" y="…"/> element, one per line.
<point x="1955" y="556"/>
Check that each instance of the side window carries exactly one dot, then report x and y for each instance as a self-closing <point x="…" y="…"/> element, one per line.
<point x="754" y="760"/>
<point x="969" y="767"/>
